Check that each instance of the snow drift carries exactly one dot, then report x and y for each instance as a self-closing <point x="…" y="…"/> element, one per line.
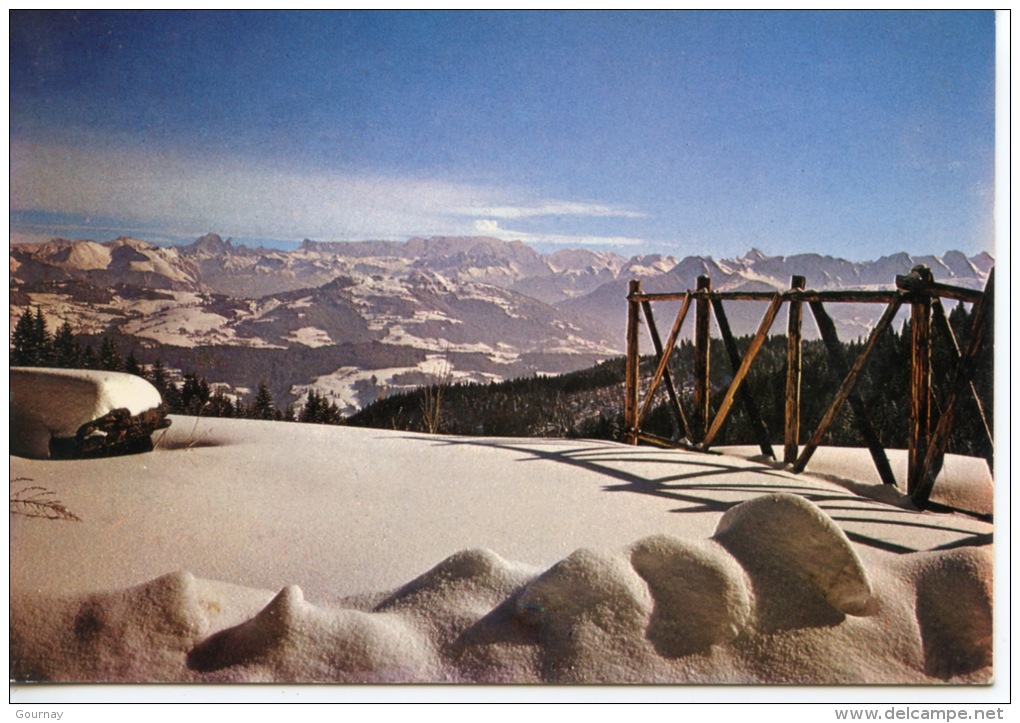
<point x="758" y="576"/>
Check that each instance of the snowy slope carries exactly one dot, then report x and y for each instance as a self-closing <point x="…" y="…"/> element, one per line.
<point x="345" y="555"/>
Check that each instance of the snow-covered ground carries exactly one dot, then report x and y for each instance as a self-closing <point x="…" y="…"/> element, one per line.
<point x="250" y="551"/>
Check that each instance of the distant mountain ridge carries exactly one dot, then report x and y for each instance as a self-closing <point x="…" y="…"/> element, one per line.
<point x="492" y="309"/>
<point x="209" y="262"/>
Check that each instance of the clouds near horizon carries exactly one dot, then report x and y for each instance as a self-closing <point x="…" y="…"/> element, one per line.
<point x="171" y="192"/>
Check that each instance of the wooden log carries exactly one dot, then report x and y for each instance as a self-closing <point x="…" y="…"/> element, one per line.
<point x="924" y="285"/>
<point x="962" y="377"/>
<point x="671" y="443"/>
<point x="833" y="295"/>
<point x="662" y="369"/>
<point x="842" y="296"/>
<point x="657" y="440"/>
<point x="827" y="329"/>
<point x="679" y="422"/>
<point x="920" y="380"/>
<point x="791" y="414"/>
<point x="849" y="381"/>
<point x="761" y="431"/>
<point x="632" y="371"/>
<point x="946" y="329"/>
<point x="752" y="351"/>
<point x="664" y="296"/>
<point x="702" y="319"/>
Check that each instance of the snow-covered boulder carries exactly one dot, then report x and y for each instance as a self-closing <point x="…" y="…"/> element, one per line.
<point x="75" y="412"/>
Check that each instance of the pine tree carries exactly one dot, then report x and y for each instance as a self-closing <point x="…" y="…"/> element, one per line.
<point x="263" y="407"/>
<point x="158" y="376"/>
<point x="43" y="340"/>
<point x="66" y="349"/>
<point x="219" y="405"/>
<point x="88" y="358"/>
<point x="310" y="411"/>
<point x="131" y="365"/>
<point x="109" y="355"/>
<point x="24" y="350"/>
<point x="160" y="379"/>
<point x="31" y="343"/>
<point x="195" y="394"/>
<point x="319" y="410"/>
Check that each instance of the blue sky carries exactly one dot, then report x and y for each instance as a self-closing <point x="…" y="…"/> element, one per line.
<point x="852" y="134"/>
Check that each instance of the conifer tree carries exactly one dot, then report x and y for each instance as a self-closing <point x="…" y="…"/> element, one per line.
<point x="131" y="365"/>
<point x="43" y="340"/>
<point x="158" y="376"/>
<point x="220" y="405"/>
<point x="24" y="348"/>
<point x="89" y="360"/>
<point x="310" y="411"/>
<point x="109" y="355"/>
<point x="66" y="349"/>
<point x="263" y="407"/>
<point x="195" y="394"/>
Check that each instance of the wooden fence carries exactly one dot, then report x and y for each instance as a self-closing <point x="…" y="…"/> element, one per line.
<point x="927" y="443"/>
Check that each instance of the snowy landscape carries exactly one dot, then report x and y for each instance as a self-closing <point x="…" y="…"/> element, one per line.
<point x="242" y="551"/>
<point x="358" y="321"/>
<point x="337" y="358"/>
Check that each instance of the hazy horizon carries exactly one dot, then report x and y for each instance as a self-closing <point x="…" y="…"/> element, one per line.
<point x="855" y="134"/>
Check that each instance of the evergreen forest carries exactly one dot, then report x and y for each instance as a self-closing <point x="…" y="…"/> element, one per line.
<point x="586" y="403"/>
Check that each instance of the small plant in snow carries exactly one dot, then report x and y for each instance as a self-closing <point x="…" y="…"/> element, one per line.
<point x="35" y="501"/>
<point x="432" y="394"/>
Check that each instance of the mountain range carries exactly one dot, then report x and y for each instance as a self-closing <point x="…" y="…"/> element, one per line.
<point x="354" y="320"/>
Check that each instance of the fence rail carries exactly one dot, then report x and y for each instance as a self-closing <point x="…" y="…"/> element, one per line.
<point x="917" y="290"/>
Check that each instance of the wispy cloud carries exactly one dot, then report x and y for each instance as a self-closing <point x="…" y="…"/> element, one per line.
<point x="166" y="190"/>
<point x="491" y="227"/>
<point x="551" y="208"/>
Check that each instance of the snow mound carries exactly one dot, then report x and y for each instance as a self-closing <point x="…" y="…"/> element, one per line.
<point x="482" y="574"/>
<point x="48" y="404"/>
<point x="790" y="539"/>
<point x="121" y="635"/>
<point x="662" y="610"/>
<point x="700" y="593"/>
<point x="589" y="601"/>
<point x="776" y="596"/>
<point x="291" y="640"/>
<point x="954" y="610"/>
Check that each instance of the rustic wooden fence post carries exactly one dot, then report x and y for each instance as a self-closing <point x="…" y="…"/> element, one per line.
<point x="680" y="427"/>
<point x="740" y="371"/>
<point x="791" y="433"/>
<point x="962" y="378"/>
<point x="702" y="319"/>
<point x="920" y="380"/>
<point x="632" y="373"/>
<point x="846" y="388"/>
<point x="942" y="323"/>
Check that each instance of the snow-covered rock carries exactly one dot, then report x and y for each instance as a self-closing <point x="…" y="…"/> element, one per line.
<point x="49" y="404"/>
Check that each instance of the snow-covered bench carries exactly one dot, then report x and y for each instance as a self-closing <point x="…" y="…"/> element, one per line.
<point x="82" y="413"/>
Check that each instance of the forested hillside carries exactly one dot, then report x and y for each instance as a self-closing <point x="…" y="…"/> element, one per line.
<point x="589" y="403"/>
<point x="586" y="403"/>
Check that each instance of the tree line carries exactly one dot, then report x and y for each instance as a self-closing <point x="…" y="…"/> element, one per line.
<point x="589" y="402"/>
<point x="32" y="345"/>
